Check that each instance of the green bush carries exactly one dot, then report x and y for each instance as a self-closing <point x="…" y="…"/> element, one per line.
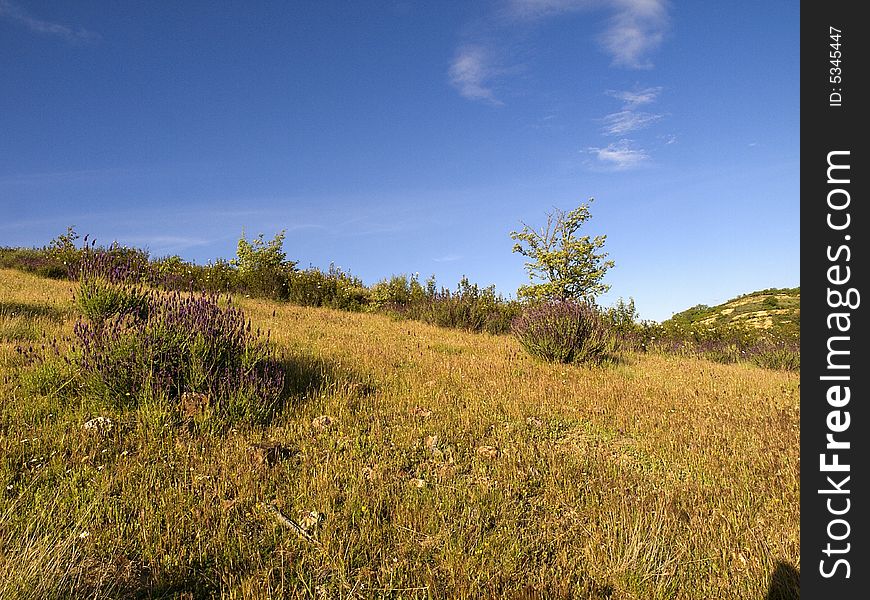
<point x="470" y="307"/>
<point x="335" y="289"/>
<point x="181" y="344"/>
<point x="399" y="291"/>
<point x="107" y="286"/>
<point x="98" y="299"/>
<point x="779" y="359"/>
<point x="262" y="267"/>
<point x="731" y="343"/>
<point x="566" y="331"/>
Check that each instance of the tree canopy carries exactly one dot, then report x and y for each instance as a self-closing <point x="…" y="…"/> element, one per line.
<point x="563" y="265"/>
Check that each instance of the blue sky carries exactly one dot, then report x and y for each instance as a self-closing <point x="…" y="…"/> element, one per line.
<point x="408" y="136"/>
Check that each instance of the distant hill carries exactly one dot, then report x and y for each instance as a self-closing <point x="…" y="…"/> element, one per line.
<point x="773" y="309"/>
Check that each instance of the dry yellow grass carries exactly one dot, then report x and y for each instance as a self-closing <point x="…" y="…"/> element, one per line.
<point x="452" y="465"/>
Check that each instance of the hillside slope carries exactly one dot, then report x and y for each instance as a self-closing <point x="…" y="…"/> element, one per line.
<point x="451" y="465"/>
<point x="773" y="309"/>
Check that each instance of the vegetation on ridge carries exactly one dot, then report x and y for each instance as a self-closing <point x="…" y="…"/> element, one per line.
<point x="564" y="265"/>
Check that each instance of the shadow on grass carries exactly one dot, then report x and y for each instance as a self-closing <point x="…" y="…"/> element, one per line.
<point x="307" y="377"/>
<point x="785" y="583"/>
<point x="30" y="311"/>
<point x="195" y="583"/>
<point x="192" y="589"/>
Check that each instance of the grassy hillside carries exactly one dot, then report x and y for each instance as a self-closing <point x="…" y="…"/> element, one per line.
<point x="448" y="465"/>
<point x="771" y="309"/>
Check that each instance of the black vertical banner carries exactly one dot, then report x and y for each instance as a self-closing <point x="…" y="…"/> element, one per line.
<point x="835" y="433"/>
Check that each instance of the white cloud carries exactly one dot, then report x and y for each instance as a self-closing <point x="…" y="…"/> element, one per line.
<point x="626" y="121"/>
<point x="638" y="98"/>
<point x="620" y="156"/>
<point x="537" y="9"/>
<point x="471" y="72"/>
<point x="629" y="118"/>
<point x="636" y="29"/>
<point x="17" y="14"/>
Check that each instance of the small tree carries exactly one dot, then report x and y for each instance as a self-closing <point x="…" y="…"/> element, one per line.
<point x="65" y="243"/>
<point x="260" y="255"/>
<point x="567" y="266"/>
<point x="64" y="254"/>
<point x="262" y="267"/>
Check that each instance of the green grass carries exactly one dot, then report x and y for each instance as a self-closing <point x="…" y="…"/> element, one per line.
<point x="453" y="466"/>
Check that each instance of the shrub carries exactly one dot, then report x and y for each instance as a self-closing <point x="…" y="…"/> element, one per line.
<point x="335" y="289"/>
<point x="272" y="284"/>
<point x="53" y="261"/>
<point x="564" y="331"/>
<point x="218" y="276"/>
<point x="627" y="331"/>
<point x="263" y="268"/>
<point x="98" y="299"/>
<point x="780" y="354"/>
<point x="32" y="260"/>
<point x="107" y="286"/>
<point x="63" y="251"/>
<point x="730" y="343"/>
<point x="183" y="343"/>
<point x="397" y="292"/>
<point x="470" y="307"/>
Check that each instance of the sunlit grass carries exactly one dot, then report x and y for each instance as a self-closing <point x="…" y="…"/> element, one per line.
<point x="452" y="465"/>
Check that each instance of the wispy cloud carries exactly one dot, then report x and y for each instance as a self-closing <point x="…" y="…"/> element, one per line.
<point x="626" y="121"/>
<point x="629" y="119"/>
<point x="636" y="98"/>
<point x="637" y="28"/>
<point x="471" y="73"/>
<point x="634" y="29"/>
<point x="538" y="9"/>
<point x="13" y="12"/>
<point x="620" y="156"/>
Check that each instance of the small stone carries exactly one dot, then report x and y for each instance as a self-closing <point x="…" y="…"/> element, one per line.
<point x="490" y="452"/>
<point x="446" y="470"/>
<point x="271" y="453"/>
<point x="193" y="403"/>
<point x="101" y="425"/>
<point x="322" y="422"/>
<point x="310" y="520"/>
